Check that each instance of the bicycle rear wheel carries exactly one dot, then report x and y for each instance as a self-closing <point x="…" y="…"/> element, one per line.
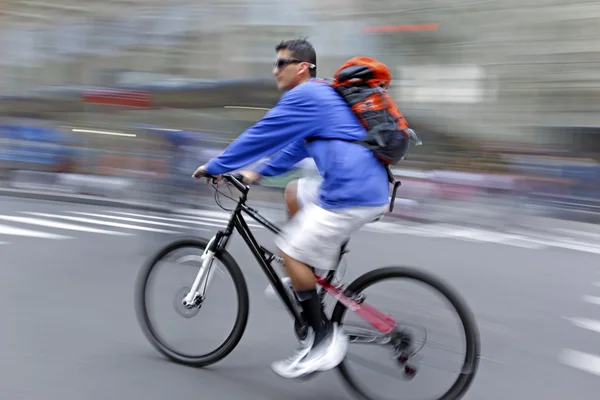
<point x="150" y="330"/>
<point x="470" y="361"/>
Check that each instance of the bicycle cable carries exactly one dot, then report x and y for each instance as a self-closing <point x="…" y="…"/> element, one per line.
<point x="218" y="192"/>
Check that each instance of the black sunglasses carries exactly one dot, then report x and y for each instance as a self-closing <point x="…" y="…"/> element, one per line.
<point x="284" y="62"/>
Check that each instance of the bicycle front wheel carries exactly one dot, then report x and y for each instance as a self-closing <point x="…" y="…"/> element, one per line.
<point x="185" y="255"/>
<point x="403" y="346"/>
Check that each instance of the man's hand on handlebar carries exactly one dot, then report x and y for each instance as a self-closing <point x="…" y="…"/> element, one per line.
<point x="201" y="171"/>
<point x="249" y="177"/>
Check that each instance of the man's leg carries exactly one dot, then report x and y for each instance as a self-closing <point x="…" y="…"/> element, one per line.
<point x="303" y="279"/>
<point x="304" y="285"/>
<point x="290" y="196"/>
<point x="313" y="238"/>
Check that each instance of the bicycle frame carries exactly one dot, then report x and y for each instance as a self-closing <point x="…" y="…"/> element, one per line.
<point x="382" y="322"/>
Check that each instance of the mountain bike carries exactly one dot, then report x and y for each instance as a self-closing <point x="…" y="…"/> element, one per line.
<point x="383" y="330"/>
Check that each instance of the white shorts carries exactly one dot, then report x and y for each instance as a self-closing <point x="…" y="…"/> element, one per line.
<point x="314" y="236"/>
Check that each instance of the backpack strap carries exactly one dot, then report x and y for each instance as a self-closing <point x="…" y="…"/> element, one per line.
<point x="396" y="184"/>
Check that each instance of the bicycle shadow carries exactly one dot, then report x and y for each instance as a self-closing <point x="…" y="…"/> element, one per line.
<point x="252" y="377"/>
<point x="275" y="387"/>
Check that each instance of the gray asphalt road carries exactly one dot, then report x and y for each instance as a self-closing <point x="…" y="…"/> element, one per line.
<point x="69" y="329"/>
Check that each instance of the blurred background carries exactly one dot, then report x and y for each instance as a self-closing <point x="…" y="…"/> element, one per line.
<point x="124" y="99"/>
<point x="108" y="106"/>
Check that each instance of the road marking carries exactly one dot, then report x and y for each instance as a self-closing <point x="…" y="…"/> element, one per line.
<point x="573" y="244"/>
<point x="592" y="235"/>
<point x="588" y="324"/>
<point x="224" y="215"/>
<point x="459" y="233"/>
<point x="107" y="223"/>
<point x="188" y="220"/>
<point x="143" y="221"/>
<point x="214" y="214"/>
<point x="9" y="230"/>
<point x="59" y="225"/>
<point x="496" y="237"/>
<point x="592" y="300"/>
<point x="223" y="221"/>
<point x="583" y="361"/>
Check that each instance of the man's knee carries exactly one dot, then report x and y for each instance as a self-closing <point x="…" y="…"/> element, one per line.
<point x="290" y="195"/>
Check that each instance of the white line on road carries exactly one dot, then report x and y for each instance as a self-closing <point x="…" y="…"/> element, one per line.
<point x="93" y="221"/>
<point x="455" y="232"/>
<point x="223" y="222"/>
<point x="189" y="220"/>
<point x="214" y="214"/>
<point x="142" y="221"/>
<point x="573" y="244"/>
<point x="573" y="232"/>
<point x="586" y="362"/>
<point x="9" y="230"/>
<point x="59" y="225"/>
<point x="592" y="300"/>
<point x="584" y="323"/>
<point x="496" y="237"/>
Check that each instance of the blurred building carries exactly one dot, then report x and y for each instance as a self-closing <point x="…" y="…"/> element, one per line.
<point x="498" y="70"/>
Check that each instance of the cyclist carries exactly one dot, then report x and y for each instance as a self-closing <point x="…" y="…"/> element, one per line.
<point x="354" y="189"/>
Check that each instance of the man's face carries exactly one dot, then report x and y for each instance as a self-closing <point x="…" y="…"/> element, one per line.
<point x="288" y="73"/>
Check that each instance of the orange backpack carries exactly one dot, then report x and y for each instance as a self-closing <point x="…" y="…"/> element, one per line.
<point x="363" y="83"/>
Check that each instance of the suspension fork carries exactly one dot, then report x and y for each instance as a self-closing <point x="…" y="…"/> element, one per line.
<point x="193" y="298"/>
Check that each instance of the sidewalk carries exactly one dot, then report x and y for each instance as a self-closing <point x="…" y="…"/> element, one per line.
<point x="130" y="194"/>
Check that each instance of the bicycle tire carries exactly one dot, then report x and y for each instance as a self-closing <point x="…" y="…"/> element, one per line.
<point x="473" y="349"/>
<point x="241" y="321"/>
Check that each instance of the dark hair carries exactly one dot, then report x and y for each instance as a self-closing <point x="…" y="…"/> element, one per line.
<point x="302" y="50"/>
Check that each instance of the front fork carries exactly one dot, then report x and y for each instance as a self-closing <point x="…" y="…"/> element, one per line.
<point x="194" y="298"/>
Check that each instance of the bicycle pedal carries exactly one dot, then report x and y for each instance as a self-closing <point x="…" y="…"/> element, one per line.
<point x="410" y="371"/>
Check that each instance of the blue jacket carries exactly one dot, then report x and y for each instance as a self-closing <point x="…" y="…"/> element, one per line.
<point x="352" y="176"/>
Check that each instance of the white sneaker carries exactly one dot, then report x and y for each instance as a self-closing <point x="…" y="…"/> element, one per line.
<point x="326" y="355"/>
<point x="285" y="368"/>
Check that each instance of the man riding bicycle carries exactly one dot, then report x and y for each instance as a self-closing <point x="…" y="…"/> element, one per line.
<point x="354" y="189"/>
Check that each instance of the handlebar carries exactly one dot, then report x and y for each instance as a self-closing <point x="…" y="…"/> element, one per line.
<point x="235" y="179"/>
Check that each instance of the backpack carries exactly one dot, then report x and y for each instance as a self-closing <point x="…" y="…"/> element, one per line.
<point x="362" y="82"/>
